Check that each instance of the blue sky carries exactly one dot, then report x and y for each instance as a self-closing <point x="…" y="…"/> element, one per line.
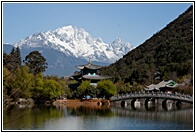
<point x="131" y="22"/>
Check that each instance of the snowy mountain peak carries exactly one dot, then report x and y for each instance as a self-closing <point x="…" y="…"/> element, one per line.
<point x="117" y="40"/>
<point x="99" y="40"/>
<point x="78" y="43"/>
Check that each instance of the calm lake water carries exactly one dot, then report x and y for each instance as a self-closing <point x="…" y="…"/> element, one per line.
<point x="97" y="118"/>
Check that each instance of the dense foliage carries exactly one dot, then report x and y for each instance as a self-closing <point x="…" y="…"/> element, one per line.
<point x="13" y="60"/>
<point x="19" y="81"/>
<point x="168" y="54"/>
<point x="105" y="88"/>
<point x="28" y="81"/>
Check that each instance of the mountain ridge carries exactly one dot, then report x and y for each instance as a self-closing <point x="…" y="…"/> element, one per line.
<point x="77" y="42"/>
<point x="169" y="52"/>
<point x="68" y="46"/>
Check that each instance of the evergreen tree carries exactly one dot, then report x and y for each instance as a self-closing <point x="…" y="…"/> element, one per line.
<point x="9" y="61"/>
<point x="13" y="60"/>
<point x="11" y="66"/>
<point x="12" y="51"/>
<point x="36" y="62"/>
<point x="18" y="57"/>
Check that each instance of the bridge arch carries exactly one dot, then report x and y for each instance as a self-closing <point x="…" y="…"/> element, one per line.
<point x="150" y="103"/>
<point x="135" y="103"/>
<point x="123" y="104"/>
<point x="178" y="104"/>
<point x="167" y="104"/>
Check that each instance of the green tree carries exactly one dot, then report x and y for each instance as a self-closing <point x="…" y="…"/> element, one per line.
<point x="52" y="89"/>
<point x="92" y="91"/>
<point x="5" y="57"/>
<point x="8" y="61"/>
<point x="13" y="60"/>
<point x="17" y="57"/>
<point x="106" y="88"/>
<point x="81" y="90"/>
<point x="37" y="90"/>
<point x="7" y="82"/>
<point x="63" y="83"/>
<point x="136" y="87"/>
<point x="36" y="62"/>
<point x="123" y="87"/>
<point x="12" y="51"/>
<point x="22" y="83"/>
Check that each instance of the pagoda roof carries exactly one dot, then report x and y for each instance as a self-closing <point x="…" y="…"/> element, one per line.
<point x="96" y="77"/>
<point x="89" y="66"/>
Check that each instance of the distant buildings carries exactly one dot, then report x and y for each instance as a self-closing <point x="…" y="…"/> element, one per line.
<point x="165" y="86"/>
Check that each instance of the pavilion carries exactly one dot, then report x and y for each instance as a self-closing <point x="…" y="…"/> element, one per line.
<point x="89" y="72"/>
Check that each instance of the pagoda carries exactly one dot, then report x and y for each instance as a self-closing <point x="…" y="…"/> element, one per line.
<point x="89" y="72"/>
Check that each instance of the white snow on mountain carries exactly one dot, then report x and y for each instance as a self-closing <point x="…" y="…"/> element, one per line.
<point x="78" y="43"/>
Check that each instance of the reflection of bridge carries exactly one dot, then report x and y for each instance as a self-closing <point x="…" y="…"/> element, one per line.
<point x="185" y="114"/>
<point x="151" y="98"/>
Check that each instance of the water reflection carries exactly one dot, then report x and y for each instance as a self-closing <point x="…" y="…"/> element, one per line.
<point x="16" y="118"/>
<point x="166" y="105"/>
<point x="181" y="115"/>
<point x="97" y="118"/>
<point x="86" y="110"/>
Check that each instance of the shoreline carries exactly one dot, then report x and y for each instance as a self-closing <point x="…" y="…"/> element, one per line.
<point x="86" y="102"/>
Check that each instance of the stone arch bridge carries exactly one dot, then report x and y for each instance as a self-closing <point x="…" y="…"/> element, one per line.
<point x="167" y="100"/>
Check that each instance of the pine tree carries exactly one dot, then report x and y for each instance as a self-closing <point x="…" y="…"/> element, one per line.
<point x="17" y="57"/>
<point x="12" y="51"/>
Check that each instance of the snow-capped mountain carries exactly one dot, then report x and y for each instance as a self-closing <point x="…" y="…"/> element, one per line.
<point x="77" y="43"/>
<point x="67" y="47"/>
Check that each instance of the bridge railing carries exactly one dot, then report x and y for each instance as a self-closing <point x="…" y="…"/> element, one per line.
<point x="160" y="94"/>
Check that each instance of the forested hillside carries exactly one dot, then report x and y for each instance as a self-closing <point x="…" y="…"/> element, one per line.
<point x="168" y="54"/>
